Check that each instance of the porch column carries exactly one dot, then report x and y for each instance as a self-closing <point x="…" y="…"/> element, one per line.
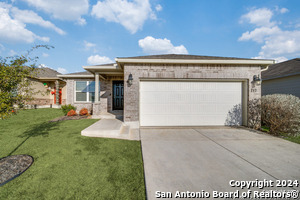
<point x="57" y="91"/>
<point x="96" y="87"/>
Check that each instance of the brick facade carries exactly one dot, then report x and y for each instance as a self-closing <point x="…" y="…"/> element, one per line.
<point x="105" y="104"/>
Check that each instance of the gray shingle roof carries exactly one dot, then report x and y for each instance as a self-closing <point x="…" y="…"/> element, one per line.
<point x="46" y="72"/>
<point x="185" y="56"/>
<point x="287" y="68"/>
<point x="80" y="73"/>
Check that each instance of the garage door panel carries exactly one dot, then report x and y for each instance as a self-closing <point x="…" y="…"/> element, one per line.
<point x="175" y="103"/>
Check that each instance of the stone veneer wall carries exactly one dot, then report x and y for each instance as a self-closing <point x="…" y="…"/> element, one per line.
<point x="169" y="71"/>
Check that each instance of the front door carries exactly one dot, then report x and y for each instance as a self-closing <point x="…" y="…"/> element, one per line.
<point x="118" y="95"/>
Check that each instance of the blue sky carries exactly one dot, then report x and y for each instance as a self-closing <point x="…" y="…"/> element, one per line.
<point x="93" y="32"/>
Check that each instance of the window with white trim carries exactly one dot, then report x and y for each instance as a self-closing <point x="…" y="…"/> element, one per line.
<point x="85" y="91"/>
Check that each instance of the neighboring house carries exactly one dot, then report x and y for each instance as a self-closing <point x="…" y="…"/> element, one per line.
<point x="170" y="90"/>
<point x="282" y="78"/>
<point x="44" y="86"/>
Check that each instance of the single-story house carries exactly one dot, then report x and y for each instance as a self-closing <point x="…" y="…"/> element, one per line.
<point x="282" y="78"/>
<point x="44" y="85"/>
<point x="170" y="90"/>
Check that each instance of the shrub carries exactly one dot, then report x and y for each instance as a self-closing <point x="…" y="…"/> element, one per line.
<point x="67" y="108"/>
<point x="84" y="111"/>
<point x="281" y="113"/>
<point x="72" y="113"/>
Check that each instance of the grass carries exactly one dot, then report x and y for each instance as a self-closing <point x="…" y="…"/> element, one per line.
<point x="66" y="164"/>
<point x="295" y="139"/>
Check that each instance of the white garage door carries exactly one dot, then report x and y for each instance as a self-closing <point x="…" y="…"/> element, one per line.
<point x="180" y="103"/>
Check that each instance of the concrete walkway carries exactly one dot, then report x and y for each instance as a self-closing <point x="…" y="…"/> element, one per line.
<point x="206" y="159"/>
<point x="111" y="128"/>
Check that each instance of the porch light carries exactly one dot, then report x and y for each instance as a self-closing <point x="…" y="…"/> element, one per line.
<point x="256" y="80"/>
<point x="130" y="79"/>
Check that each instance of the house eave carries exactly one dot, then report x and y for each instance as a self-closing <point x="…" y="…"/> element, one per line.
<point x="76" y="76"/>
<point x="105" y="69"/>
<point x="195" y="61"/>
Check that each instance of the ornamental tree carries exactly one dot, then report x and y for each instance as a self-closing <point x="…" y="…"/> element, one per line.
<point x="15" y="84"/>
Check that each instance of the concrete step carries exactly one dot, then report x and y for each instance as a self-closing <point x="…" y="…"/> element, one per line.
<point x="107" y="116"/>
<point x="103" y="127"/>
<point x="111" y="128"/>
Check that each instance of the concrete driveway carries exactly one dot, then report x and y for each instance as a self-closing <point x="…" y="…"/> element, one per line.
<point x="205" y="160"/>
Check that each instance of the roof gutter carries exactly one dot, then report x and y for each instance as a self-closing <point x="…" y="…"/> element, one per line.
<point x="76" y="76"/>
<point x="189" y="61"/>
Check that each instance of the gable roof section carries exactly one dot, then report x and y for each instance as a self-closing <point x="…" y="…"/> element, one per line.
<point x="46" y="73"/>
<point x="192" y="59"/>
<point x="84" y="74"/>
<point x="283" y="69"/>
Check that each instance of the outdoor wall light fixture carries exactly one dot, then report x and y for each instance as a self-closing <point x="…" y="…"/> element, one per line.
<point x="130" y="79"/>
<point x="256" y="80"/>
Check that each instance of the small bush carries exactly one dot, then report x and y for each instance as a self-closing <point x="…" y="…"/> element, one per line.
<point x="72" y="113"/>
<point x="67" y="108"/>
<point x="84" y="111"/>
<point x="281" y="113"/>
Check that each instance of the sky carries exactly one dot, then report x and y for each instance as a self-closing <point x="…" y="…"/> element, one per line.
<point x="91" y="32"/>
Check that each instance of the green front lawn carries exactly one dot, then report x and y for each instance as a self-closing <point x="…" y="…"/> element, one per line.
<point x="295" y="139"/>
<point x="66" y="164"/>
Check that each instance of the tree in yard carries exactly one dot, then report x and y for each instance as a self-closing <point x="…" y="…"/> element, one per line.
<point x="15" y="84"/>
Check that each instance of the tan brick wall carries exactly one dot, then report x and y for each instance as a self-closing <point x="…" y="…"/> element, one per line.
<point x="167" y="71"/>
<point x="105" y="94"/>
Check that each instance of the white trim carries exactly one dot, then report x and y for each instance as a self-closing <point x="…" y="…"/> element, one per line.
<point x="103" y="67"/>
<point x="87" y="93"/>
<point x="76" y="76"/>
<point x="189" y="61"/>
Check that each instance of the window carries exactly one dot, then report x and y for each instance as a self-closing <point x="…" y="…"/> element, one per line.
<point x="85" y="91"/>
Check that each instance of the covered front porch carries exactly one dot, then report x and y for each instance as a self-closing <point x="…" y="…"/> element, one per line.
<point x="109" y="91"/>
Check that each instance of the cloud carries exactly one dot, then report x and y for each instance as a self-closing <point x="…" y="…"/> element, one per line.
<point x="98" y="60"/>
<point x="62" y="70"/>
<point x="259" y="34"/>
<point x="283" y="10"/>
<point x="71" y="10"/>
<point x="81" y="22"/>
<point x="276" y="42"/>
<point x="130" y="14"/>
<point x="45" y="55"/>
<point x="277" y="59"/>
<point x="12" y="30"/>
<point x="259" y="17"/>
<point x="30" y="17"/>
<point x="152" y="45"/>
<point x="12" y="53"/>
<point x="158" y="7"/>
<point x="89" y="46"/>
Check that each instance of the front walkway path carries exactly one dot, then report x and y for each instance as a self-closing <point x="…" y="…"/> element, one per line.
<point x="206" y="159"/>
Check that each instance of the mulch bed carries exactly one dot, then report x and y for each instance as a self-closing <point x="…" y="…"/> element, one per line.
<point x="13" y="166"/>
<point x="63" y="118"/>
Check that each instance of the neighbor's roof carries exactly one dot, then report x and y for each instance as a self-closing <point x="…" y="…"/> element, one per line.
<point x="84" y="74"/>
<point x="193" y="59"/>
<point x="283" y="69"/>
<point x="45" y="72"/>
